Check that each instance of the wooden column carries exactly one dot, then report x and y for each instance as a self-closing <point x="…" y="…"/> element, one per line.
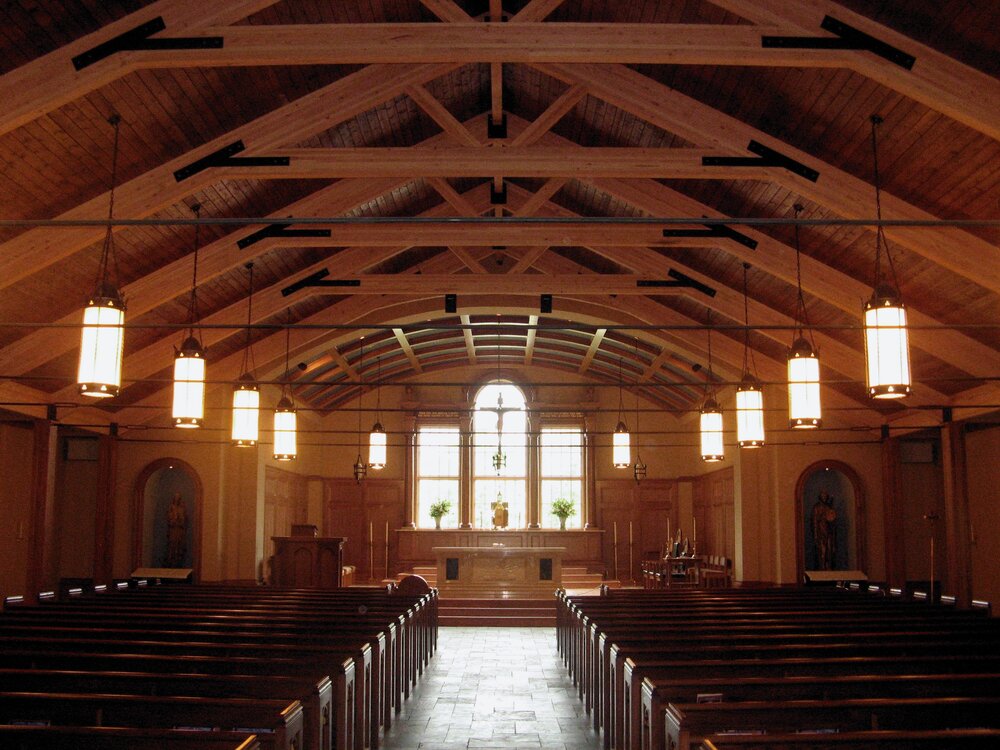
<point x="104" y="525"/>
<point x="465" y="473"/>
<point x="958" y="570"/>
<point x="894" y="542"/>
<point x="41" y="539"/>
<point x="534" y="509"/>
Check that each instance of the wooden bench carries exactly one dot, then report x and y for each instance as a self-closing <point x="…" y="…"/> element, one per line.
<point x="278" y="724"/>
<point x="933" y="739"/>
<point x="687" y="724"/>
<point x="121" y="738"/>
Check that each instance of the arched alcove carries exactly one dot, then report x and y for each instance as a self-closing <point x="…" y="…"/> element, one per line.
<point x="829" y="512"/>
<point x="167" y="516"/>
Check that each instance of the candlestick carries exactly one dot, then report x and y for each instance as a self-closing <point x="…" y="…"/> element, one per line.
<point x="630" y="532"/>
<point x="614" y="532"/>
<point x="694" y="529"/>
<point x="668" y="535"/>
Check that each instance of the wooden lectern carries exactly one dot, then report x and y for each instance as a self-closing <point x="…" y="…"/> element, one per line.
<point x="308" y="561"/>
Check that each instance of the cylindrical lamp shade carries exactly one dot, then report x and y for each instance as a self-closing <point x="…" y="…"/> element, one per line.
<point x="749" y="413"/>
<point x="189" y="385"/>
<point x="246" y="413"/>
<point x="887" y="348"/>
<point x="621" y="448"/>
<point x="376" y="447"/>
<point x="101" y="344"/>
<point x="804" y="409"/>
<point x="284" y="430"/>
<point x="711" y="432"/>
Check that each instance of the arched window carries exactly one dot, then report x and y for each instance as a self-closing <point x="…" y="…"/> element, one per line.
<point x="500" y="452"/>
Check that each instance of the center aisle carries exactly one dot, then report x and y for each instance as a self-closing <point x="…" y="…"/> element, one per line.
<point x="494" y="688"/>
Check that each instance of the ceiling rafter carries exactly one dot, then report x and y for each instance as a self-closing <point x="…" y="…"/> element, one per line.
<point x="849" y="196"/>
<point x="470" y="343"/>
<point x="35" y="249"/>
<point x="595" y="344"/>
<point x="404" y="344"/>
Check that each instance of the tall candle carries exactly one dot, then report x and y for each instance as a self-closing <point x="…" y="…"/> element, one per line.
<point x="694" y="528"/>
<point x="668" y="531"/>
<point x="371" y="533"/>
<point x="386" y="533"/>
<point x="630" y="532"/>
<point x="614" y="530"/>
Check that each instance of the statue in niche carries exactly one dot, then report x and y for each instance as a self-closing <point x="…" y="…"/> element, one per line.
<point x="824" y="523"/>
<point x="177" y="522"/>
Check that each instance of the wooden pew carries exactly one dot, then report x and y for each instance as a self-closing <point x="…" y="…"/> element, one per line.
<point x="316" y="696"/>
<point x="278" y="724"/>
<point x="120" y="738"/>
<point x="687" y="724"/>
<point x="899" y="739"/>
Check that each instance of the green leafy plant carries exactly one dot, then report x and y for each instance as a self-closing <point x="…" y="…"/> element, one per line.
<point x="562" y="509"/>
<point x="440" y="509"/>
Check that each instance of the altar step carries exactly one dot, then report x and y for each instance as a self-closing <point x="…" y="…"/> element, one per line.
<point x="572" y="577"/>
<point x="497" y="613"/>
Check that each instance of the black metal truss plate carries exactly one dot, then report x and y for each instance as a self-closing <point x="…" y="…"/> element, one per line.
<point x="138" y="39"/>
<point x="279" y="230"/>
<point x="318" y="279"/>
<point x="677" y="279"/>
<point x="714" y="230"/>
<point x="496" y="130"/>
<point x="766" y="157"/>
<point x="847" y="37"/>
<point x="226" y="157"/>
<point x="498" y="197"/>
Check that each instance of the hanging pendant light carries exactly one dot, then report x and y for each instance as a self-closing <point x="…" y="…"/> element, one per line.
<point x="749" y="394"/>
<point x="710" y="422"/>
<point x="360" y="467"/>
<point x="887" y="348"/>
<point x="376" y="438"/>
<point x="189" y="360"/>
<point x="804" y="408"/>
<point x="246" y="395"/>
<point x="639" y="469"/>
<point x="285" y="448"/>
<point x="102" y="340"/>
<point x="621" y="449"/>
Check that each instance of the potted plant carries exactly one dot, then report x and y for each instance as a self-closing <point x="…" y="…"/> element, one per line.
<point x="438" y="510"/>
<point x="563" y="509"/>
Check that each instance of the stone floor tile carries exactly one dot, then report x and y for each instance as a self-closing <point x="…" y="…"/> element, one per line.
<point x="493" y="688"/>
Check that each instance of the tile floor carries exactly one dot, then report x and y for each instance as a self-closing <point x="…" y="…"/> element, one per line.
<point x="494" y="688"/>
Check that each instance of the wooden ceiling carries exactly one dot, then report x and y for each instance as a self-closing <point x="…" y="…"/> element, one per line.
<point x="382" y="108"/>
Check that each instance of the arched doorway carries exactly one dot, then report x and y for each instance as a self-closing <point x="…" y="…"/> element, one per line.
<point x="829" y="512"/>
<point x="167" y="516"/>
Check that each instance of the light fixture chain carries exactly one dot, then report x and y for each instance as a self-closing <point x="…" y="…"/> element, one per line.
<point x="108" y="254"/>
<point x="193" y="313"/>
<point x="746" y="322"/>
<point x="708" y="386"/>
<point x="881" y="243"/>
<point x="249" y="366"/>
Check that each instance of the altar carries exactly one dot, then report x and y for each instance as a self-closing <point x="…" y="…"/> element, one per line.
<point x="499" y="569"/>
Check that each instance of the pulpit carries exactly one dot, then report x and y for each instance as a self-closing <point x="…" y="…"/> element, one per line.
<point x="308" y="561"/>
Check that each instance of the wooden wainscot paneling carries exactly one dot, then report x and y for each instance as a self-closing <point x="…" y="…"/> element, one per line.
<point x="712" y="499"/>
<point x="286" y="501"/>
<point x="635" y="515"/>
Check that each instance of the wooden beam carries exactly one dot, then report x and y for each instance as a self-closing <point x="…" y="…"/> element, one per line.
<point x="937" y="81"/>
<point x="541" y="197"/>
<point x="493" y="43"/>
<point x="407" y="350"/>
<point x="426" y="284"/>
<point x="528" y="258"/>
<point x="420" y="234"/>
<point x="496" y="66"/>
<point x="595" y="345"/>
<point x="446" y="10"/>
<point x="36" y="249"/>
<point x="529" y="345"/>
<point x="536" y="10"/>
<point x="655" y="365"/>
<point x="439" y="113"/>
<point x="343" y="364"/>
<point x="451" y="195"/>
<point x="553" y="114"/>
<point x="463" y="161"/>
<point x="955" y="249"/>
<point x="470" y="343"/>
<point x="50" y="81"/>
<point x="464" y="255"/>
